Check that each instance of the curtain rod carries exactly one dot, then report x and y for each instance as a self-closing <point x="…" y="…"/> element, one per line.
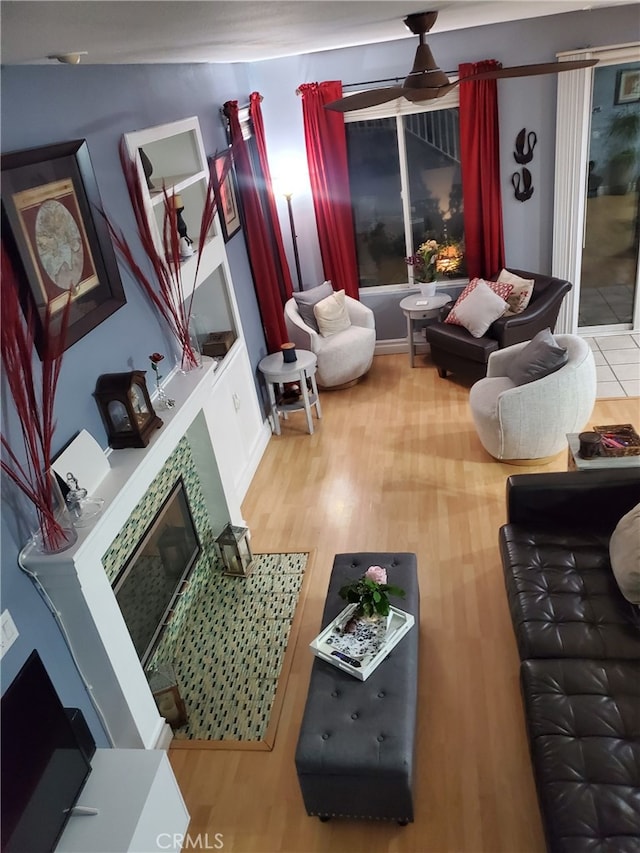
<point x="242" y="106"/>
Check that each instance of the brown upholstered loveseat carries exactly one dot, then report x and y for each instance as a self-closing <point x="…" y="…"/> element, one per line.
<point x="455" y="350"/>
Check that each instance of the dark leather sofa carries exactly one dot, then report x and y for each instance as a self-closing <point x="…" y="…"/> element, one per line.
<point x="454" y="349"/>
<point x="579" y="645"/>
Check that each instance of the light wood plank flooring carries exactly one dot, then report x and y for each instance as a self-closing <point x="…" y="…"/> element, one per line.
<point x="394" y="465"/>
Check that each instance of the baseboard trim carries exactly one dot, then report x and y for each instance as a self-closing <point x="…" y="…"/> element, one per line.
<point x="396" y="345"/>
<point x="391" y="346"/>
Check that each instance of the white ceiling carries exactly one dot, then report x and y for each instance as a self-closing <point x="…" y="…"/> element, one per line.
<point x="149" y="31"/>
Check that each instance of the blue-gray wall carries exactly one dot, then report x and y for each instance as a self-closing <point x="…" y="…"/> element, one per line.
<point x="42" y="105"/>
<point x="99" y="104"/>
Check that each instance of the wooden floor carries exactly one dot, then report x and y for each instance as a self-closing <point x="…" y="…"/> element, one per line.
<point x="393" y="465"/>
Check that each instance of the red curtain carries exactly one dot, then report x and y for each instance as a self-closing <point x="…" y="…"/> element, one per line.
<point x="480" y="163"/>
<point x="258" y="238"/>
<point x="269" y="203"/>
<point x="326" y="144"/>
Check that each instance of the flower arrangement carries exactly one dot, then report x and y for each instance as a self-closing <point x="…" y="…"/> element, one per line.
<point x="164" y="287"/>
<point x="33" y="392"/>
<point x="155" y="358"/>
<point x="424" y="261"/>
<point x="370" y="592"/>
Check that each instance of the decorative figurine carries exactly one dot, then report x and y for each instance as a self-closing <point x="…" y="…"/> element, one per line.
<point x="186" y="242"/>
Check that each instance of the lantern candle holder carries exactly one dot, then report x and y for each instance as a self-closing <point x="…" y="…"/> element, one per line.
<point x="235" y="551"/>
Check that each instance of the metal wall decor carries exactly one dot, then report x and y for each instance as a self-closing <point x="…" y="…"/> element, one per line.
<point x="521" y="181"/>
<point x="525" y="143"/>
<point x="522" y="187"/>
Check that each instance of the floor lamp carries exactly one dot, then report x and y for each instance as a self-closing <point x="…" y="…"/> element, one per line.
<point x="294" y="239"/>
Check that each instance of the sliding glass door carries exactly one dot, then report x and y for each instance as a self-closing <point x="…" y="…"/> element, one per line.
<point x="609" y="267"/>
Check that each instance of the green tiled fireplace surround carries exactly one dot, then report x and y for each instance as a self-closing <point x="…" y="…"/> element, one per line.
<point x="179" y="464"/>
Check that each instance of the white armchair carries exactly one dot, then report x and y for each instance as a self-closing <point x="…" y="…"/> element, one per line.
<point x="520" y="423"/>
<point x="344" y="357"/>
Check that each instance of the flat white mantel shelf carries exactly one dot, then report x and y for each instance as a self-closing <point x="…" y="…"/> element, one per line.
<point x="132" y="470"/>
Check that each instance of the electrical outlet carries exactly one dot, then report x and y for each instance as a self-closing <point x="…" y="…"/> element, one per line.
<point x="9" y="632"/>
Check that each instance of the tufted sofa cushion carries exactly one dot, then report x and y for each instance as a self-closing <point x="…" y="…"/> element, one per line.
<point x="355" y="752"/>
<point x="579" y="644"/>
<point x="584" y="733"/>
<point x="563" y="596"/>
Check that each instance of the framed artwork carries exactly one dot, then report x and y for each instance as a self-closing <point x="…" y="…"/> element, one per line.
<point x="628" y="86"/>
<point x="57" y="239"/>
<point x="226" y="196"/>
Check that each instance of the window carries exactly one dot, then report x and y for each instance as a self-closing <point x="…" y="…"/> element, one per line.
<point x="404" y="172"/>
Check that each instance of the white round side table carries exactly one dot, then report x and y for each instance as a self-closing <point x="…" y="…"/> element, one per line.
<point x="276" y="371"/>
<point x="417" y="307"/>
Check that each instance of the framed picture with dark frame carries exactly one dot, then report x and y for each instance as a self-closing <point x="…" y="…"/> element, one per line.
<point x="224" y="186"/>
<point x="58" y="241"/>
<point x="628" y="86"/>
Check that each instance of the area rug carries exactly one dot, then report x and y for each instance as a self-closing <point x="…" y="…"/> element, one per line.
<point x="231" y="642"/>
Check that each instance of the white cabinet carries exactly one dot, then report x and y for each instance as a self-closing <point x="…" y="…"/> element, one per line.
<point x="140" y="807"/>
<point x="238" y="431"/>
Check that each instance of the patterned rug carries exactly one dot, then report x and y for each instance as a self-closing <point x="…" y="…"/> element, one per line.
<point x="230" y="642"/>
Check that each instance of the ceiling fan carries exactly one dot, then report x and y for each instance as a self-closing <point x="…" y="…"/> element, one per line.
<point x="427" y="81"/>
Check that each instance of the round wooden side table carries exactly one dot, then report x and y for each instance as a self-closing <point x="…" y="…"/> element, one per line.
<point x="417" y="307"/>
<point x="278" y="372"/>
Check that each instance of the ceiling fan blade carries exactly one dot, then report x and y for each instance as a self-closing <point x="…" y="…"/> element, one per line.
<point x="362" y="100"/>
<point x="530" y="70"/>
<point x="427" y="93"/>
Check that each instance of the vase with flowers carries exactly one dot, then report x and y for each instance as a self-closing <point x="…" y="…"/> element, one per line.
<point x="424" y="266"/>
<point x="370" y="593"/>
<point x="32" y="387"/>
<point x="162" y="400"/>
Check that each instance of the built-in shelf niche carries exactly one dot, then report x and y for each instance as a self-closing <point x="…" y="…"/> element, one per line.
<point x="193" y="198"/>
<point x="179" y="166"/>
<point x="211" y="308"/>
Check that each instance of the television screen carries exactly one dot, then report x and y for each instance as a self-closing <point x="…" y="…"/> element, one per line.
<point x="43" y="767"/>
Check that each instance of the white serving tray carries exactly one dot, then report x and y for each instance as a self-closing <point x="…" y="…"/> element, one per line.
<point x="328" y="643"/>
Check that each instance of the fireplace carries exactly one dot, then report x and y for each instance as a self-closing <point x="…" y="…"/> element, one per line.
<point x="79" y="581"/>
<point x="150" y="581"/>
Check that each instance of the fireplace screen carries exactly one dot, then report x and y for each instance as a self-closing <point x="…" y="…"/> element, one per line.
<point x="147" y="586"/>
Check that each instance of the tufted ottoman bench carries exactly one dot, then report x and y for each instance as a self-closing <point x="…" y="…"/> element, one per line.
<point x="355" y="753"/>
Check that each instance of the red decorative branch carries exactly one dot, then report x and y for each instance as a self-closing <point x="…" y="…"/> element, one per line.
<point x="33" y="398"/>
<point x="164" y="288"/>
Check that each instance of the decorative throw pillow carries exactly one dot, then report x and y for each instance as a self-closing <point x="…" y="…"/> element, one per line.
<point x="332" y="315"/>
<point x="540" y="357"/>
<point x="624" y="551"/>
<point x="306" y="299"/>
<point x="478" y="311"/>
<point x="520" y="296"/>
<point x="503" y="291"/>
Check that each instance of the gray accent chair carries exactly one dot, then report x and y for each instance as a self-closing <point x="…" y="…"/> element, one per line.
<point x="526" y="422"/>
<point x="343" y="358"/>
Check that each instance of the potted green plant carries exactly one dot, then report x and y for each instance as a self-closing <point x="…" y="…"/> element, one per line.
<point x="624" y="131"/>
<point x="370" y="593"/>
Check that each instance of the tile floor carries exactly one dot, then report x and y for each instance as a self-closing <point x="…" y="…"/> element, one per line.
<point x="607" y="305"/>
<point x="617" y="364"/>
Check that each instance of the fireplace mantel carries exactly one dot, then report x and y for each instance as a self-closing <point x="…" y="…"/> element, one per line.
<point x="75" y="580"/>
